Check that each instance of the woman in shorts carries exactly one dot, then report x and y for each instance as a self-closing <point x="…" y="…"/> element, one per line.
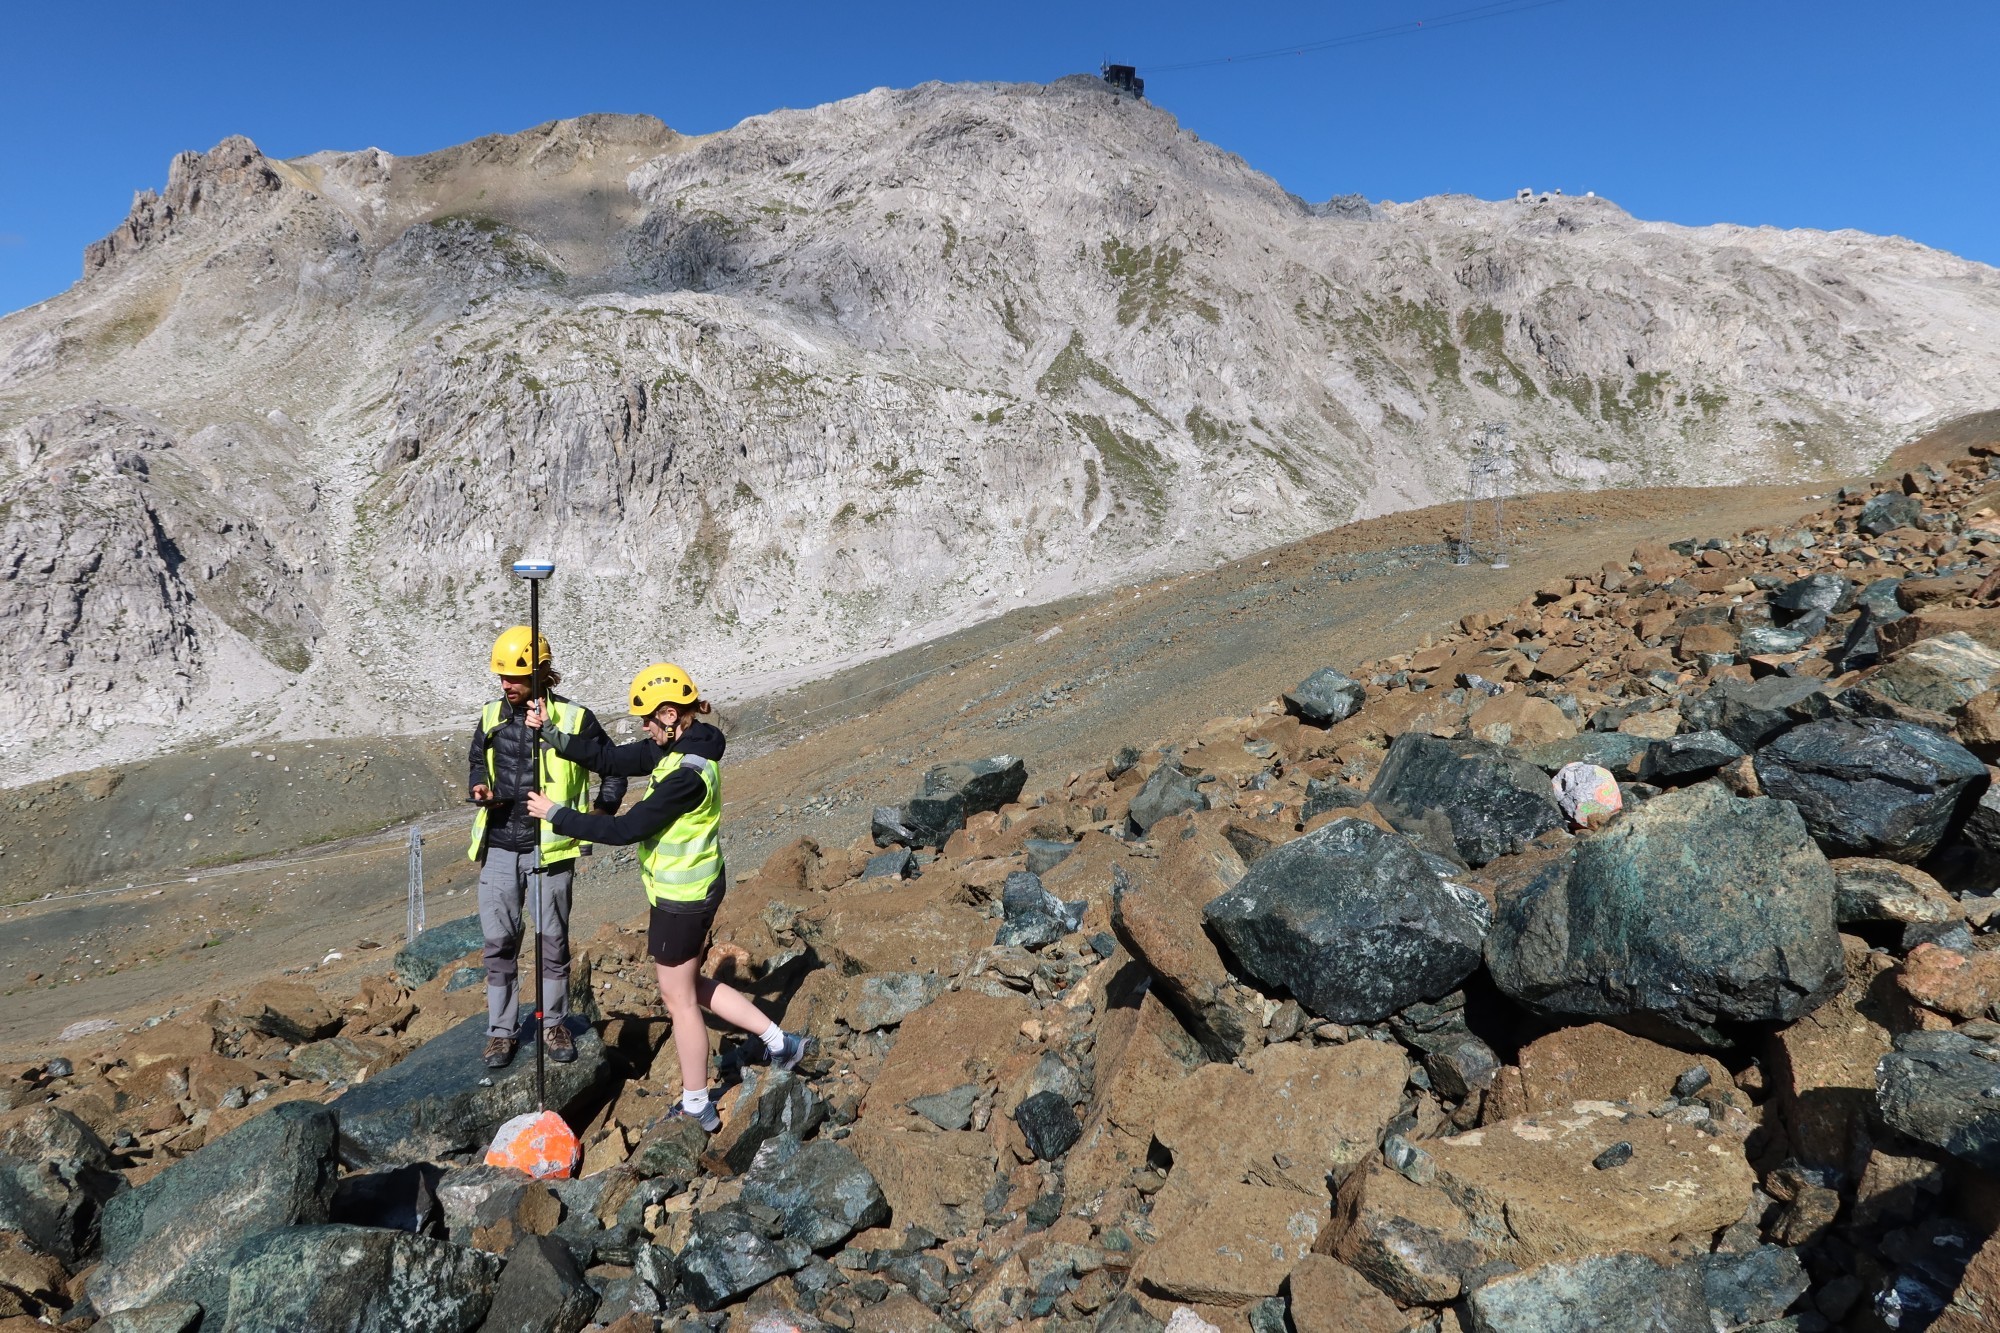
<point x="677" y="826"/>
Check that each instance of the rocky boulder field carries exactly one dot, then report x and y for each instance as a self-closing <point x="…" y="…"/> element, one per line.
<point x="1329" y="1017"/>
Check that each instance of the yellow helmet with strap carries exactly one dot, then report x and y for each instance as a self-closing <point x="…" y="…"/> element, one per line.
<point x="510" y="652"/>
<point x="661" y="683"/>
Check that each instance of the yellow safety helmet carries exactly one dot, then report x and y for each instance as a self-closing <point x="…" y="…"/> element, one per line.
<point x="661" y="683"/>
<point x="510" y="652"/>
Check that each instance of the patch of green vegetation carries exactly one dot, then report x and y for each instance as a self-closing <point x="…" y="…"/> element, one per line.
<point x="483" y="223"/>
<point x="744" y="493"/>
<point x="1072" y="365"/>
<point x="505" y="241"/>
<point x="1709" y="401"/>
<point x="795" y="177"/>
<point x="1205" y="429"/>
<point x="1284" y="464"/>
<point x="777" y="377"/>
<point x="1432" y="330"/>
<point x="897" y="477"/>
<point x="992" y="418"/>
<point x="1576" y="390"/>
<point x="1613" y="406"/>
<point x="1484" y="331"/>
<point x="950" y="237"/>
<point x="1135" y="467"/>
<point x="130" y="328"/>
<point x="1090" y="486"/>
<point x="727" y="227"/>
<point x="1148" y="276"/>
<point x="1011" y="322"/>
<point x="845" y="514"/>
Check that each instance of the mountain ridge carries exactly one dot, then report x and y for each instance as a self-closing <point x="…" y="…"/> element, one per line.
<point x="834" y="381"/>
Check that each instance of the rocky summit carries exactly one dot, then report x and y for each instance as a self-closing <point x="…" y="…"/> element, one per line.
<point x="1342" y="1017"/>
<point x="835" y="380"/>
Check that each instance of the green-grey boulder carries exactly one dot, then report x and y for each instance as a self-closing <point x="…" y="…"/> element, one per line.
<point x="171" y="1237"/>
<point x="1699" y="908"/>
<point x="1630" y="1292"/>
<point x="1493" y="801"/>
<point x="733" y="1250"/>
<point x="345" y="1279"/>
<point x="442" y="1101"/>
<point x="1870" y="787"/>
<point x="1943" y="1088"/>
<point x="427" y="955"/>
<point x="542" y="1290"/>
<point x="1354" y="922"/>
<point x="820" y="1189"/>
<point x="55" y="1177"/>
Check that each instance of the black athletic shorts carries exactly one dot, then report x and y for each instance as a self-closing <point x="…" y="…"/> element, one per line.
<point x="675" y="937"/>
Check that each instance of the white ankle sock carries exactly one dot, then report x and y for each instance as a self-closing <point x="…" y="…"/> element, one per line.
<point x="774" y="1038"/>
<point x="695" y="1101"/>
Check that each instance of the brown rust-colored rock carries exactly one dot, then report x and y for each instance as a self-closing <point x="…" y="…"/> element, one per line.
<point x="1979" y="724"/>
<point x="1980" y="623"/>
<point x="1597" y="1062"/>
<point x="1975" y="1306"/>
<point x="1324" y="1295"/>
<point x="961" y="1037"/>
<point x="930" y="1179"/>
<point x="1230" y="1245"/>
<point x="1822" y="1067"/>
<point x="1527" y="1190"/>
<point x="1697" y="639"/>
<point x="1156" y="913"/>
<point x="897" y="928"/>
<point x="1518" y="719"/>
<point x="794" y="869"/>
<point x="1961" y="985"/>
<point x="289" y="1011"/>
<point x="1297" y="1116"/>
<point x="1143" y="1057"/>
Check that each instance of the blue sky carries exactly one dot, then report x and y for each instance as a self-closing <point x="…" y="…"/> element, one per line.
<point x="1880" y="116"/>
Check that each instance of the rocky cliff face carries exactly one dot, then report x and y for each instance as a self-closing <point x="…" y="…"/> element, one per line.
<point x="834" y="380"/>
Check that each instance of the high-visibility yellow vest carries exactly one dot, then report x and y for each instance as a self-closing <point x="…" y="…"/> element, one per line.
<point x="564" y="782"/>
<point x="681" y="861"/>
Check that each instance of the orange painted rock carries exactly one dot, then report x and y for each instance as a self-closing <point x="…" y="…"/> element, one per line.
<point x="538" y="1143"/>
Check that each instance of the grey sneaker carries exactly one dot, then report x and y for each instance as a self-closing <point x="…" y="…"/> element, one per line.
<point x="794" y="1050"/>
<point x="710" y="1119"/>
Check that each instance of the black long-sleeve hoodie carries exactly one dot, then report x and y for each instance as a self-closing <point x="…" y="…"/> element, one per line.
<point x="664" y="802"/>
<point x="508" y="824"/>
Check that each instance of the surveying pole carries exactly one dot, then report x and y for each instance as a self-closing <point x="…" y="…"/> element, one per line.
<point x="535" y="571"/>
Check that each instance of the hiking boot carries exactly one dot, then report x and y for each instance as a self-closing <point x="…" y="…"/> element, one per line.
<point x="709" y="1119"/>
<point x="499" y="1052"/>
<point x="561" y="1047"/>
<point x="793" y="1051"/>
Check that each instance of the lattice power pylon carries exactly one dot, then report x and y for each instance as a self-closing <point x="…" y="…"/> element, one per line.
<point x="1489" y="468"/>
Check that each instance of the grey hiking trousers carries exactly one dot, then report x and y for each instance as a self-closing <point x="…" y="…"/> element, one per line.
<point x="504" y="878"/>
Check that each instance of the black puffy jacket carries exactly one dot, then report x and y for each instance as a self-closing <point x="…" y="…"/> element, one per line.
<point x="508" y="824"/>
